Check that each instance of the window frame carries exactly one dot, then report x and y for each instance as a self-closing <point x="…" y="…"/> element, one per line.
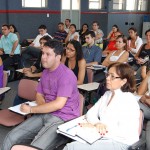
<point x="99" y="2"/>
<point x="41" y="1"/>
<point x="136" y="6"/>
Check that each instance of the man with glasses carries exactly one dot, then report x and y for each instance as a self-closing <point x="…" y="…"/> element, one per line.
<point x="33" y="50"/>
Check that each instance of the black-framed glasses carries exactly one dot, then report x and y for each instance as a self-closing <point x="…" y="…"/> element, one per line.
<point x="112" y="77"/>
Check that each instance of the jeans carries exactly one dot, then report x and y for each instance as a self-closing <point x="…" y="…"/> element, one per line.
<point x="18" y="100"/>
<point x="148" y="135"/>
<point x="8" y="61"/>
<point x="102" y="144"/>
<point x="39" y="131"/>
<point x="146" y="110"/>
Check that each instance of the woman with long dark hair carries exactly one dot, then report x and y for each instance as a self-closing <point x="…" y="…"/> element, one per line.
<point x="73" y="58"/>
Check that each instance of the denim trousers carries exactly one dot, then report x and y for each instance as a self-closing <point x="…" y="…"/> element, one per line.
<point x="146" y="110"/>
<point x="102" y="144"/>
<point x="148" y="135"/>
<point x="39" y="130"/>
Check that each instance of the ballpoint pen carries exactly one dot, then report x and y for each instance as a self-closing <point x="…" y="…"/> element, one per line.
<point x="71" y="128"/>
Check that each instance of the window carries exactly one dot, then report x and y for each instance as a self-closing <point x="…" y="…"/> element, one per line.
<point x="66" y="4"/>
<point x="34" y="3"/>
<point x="96" y="4"/>
<point x="142" y="5"/>
<point x="130" y="5"/>
<point x="117" y="4"/>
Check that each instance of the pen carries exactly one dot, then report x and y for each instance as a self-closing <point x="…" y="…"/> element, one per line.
<point x="71" y="128"/>
<point x="27" y="103"/>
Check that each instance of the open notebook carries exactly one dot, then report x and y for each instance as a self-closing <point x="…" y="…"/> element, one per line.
<point x="17" y="108"/>
<point x="73" y="130"/>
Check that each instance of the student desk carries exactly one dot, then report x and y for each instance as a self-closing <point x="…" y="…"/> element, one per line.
<point x="87" y="89"/>
<point x="96" y="73"/>
<point x="4" y="90"/>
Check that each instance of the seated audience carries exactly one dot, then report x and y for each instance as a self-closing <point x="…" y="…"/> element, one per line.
<point x="111" y="36"/>
<point x="82" y="32"/>
<point x="35" y="71"/>
<point x="1" y="78"/>
<point x="67" y="25"/>
<point x="143" y="66"/>
<point x="134" y="41"/>
<point x="98" y="32"/>
<point x="61" y="34"/>
<point x="57" y="101"/>
<point x="73" y="59"/>
<point x="92" y="53"/>
<point x="13" y="29"/>
<point x="72" y="34"/>
<point x="120" y="55"/>
<point x="33" y="51"/>
<point x="10" y="52"/>
<point x="144" y="89"/>
<point x="112" y="115"/>
<point x="111" y="45"/>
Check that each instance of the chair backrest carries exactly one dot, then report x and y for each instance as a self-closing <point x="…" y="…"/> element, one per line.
<point x="24" y="147"/>
<point x="90" y="75"/>
<point x="5" y="78"/>
<point x="27" y="89"/>
<point x="81" y="104"/>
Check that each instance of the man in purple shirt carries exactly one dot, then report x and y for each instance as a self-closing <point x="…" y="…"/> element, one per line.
<point x="1" y="78"/>
<point x="58" y="101"/>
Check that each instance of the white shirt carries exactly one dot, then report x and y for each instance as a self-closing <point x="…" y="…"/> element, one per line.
<point x="121" y="116"/>
<point x="73" y="35"/>
<point x="100" y="40"/>
<point x="67" y="29"/>
<point x="37" y="39"/>
<point x="138" y="44"/>
<point x="115" y="58"/>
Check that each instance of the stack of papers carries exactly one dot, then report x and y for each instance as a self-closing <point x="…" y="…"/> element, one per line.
<point x="73" y="130"/>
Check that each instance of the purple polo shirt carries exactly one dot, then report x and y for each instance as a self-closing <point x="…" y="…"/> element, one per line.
<point x="1" y="76"/>
<point x="61" y="83"/>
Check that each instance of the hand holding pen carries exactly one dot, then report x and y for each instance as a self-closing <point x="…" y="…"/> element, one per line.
<point x="25" y="107"/>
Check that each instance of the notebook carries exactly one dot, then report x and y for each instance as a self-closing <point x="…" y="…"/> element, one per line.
<point x="17" y="108"/>
<point x="73" y="130"/>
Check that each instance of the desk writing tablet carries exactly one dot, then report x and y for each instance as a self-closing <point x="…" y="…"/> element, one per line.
<point x="89" y="86"/>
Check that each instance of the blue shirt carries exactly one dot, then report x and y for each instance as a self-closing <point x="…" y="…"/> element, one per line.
<point x="92" y="54"/>
<point x="7" y="42"/>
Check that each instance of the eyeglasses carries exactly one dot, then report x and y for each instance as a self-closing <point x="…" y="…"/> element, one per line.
<point x="112" y="77"/>
<point x="69" y="49"/>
